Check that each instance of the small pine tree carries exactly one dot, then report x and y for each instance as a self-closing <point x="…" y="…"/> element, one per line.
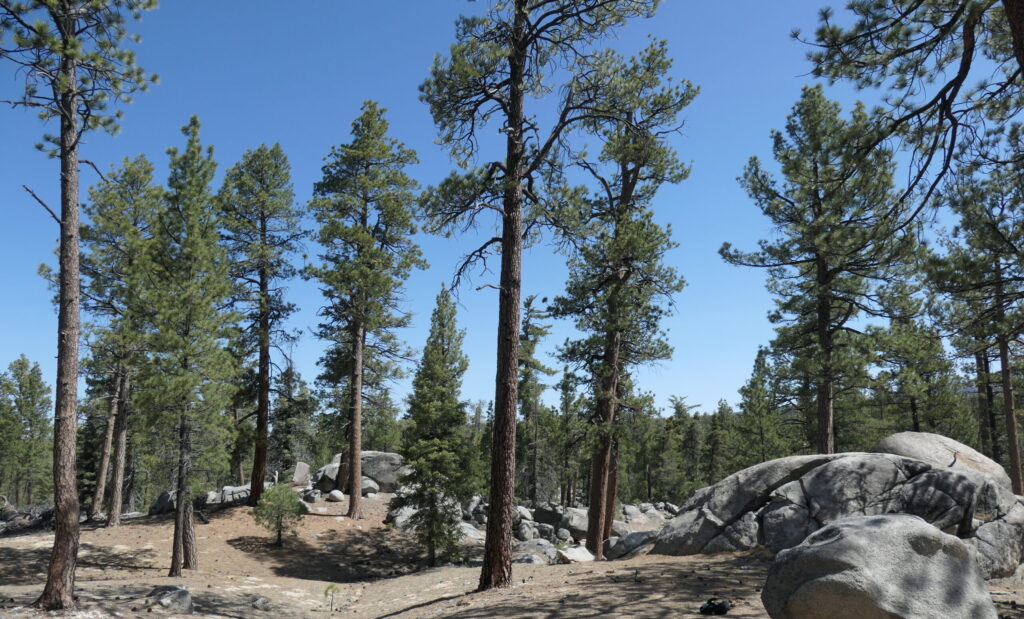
<point x="437" y="450"/>
<point x="279" y="511"/>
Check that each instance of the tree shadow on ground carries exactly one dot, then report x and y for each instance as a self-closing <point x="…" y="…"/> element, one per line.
<point x="337" y="556"/>
<point x="23" y="566"/>
<point x="659" y="588"/>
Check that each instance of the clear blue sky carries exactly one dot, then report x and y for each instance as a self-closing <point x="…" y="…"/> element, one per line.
<point x="297" y="73"/>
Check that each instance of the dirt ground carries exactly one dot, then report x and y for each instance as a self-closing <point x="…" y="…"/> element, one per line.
<point x="377" y="571"/>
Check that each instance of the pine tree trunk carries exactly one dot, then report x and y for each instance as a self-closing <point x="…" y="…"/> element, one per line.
<point x="355" y="450"/>
<point x="120" y="452"/>
<point x="613" y="492"/>
<point x="108" y="439"/>
<point x="826" y="417"/>
<point x="1014" y="11"/>
<point x="1012" y="442"/>
<point x="993" y="422"/>
<point x="259" y="462"/>
<point x="59" y="592"/>
<point x="915" y="417"/>
<point x="182" y="512"/>
<point x="497" y="567"/>
<point x="596" y="510"/>
<point x="190" y="549"/>
<point x="983" y="404"/>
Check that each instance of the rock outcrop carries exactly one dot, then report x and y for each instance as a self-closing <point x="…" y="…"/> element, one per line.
<point x="894" y="565"/>
<point x="779" y="503"/>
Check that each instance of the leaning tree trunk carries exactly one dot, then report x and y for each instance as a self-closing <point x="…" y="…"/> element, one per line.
<point x="259" y="461"/>
<point x="96" y="505"/>
<point x="60" y="577"/>
<point x="120" y="452"/>
<point x="355" y="448"/>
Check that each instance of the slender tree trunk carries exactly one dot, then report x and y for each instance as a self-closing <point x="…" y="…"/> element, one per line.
<point x="355" y="450"/>
<point x="826" y="417"/>
<point x="497" y="567"/>
<point x="120" y="452"/>
<point x="1012" y="442"/>
<point x="182" y="512"/>
<point x="606" y="404"/>
<point x="259" y="462"/>
<point x="108" y="439"/>
<point x="59" y="592"/>
<point x="915" y="417"/>
<point x="983" y="404"/>
<point x="612" y="495"/>
<point x="190" y="548"/>
<point x="990" y="397"/>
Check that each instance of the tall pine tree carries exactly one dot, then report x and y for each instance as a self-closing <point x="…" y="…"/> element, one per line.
<point x="436" y="449"/>
<point x="364" y="207"/>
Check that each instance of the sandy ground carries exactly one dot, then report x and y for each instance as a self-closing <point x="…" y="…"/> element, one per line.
<point x="378" y="573"/>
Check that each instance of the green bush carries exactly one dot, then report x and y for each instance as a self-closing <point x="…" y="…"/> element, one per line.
<point x="279" y="510"/>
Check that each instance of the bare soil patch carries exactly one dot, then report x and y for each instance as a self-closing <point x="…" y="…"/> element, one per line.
<point x="378" y="572"/>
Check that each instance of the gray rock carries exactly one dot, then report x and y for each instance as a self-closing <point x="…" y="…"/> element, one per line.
<point x="999" y="545"/>
<point x="172" y="597"/>
<point x="525" y="531"/>
<point x="261" y="603"/>
<point x="672" y="509"/>
<point x="335" y="496"/>
<point x="563" y="535"/>
<point x="301" y="475"/>
<point x="631" y="512"/>
<point x="528" y="558"/>
<point x="639" y="551"/>
<point x="941" y="451"/>
<point x="545" y="531"/>
<point x="620" y="528"/>
<point x="383" y="467"/>
<point x="469" y="533"/>
<point x="574" y="520"/>
<point x="480" y="518"/>
<point x="625" y="545"/>
<point x="370" y="486"/>
<point x="573" y="554"/>
<point x="524" y="513"/>
<point x="326" y="478"/>
<point x="235" y="494"/>
<point x="312" y="495"/>
<point x="894" y="565"/>
<point x="400" y="518"/>
<point x="539" y="547"/>
<point x="164" y="504"/>
<point x="548" y="513"/>
<point x="646" y="507"/>
<point x="711" y="509"/>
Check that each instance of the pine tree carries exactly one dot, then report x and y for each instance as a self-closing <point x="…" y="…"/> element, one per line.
<point x="619" y="287"/>
<point x="758" y="431"/>
<point x="929" y="57"/>
<point x="25" y="402"/>
<point x="188" y="289"/>
<point x="498" y="64"/>
<point x="435" y="448"/>
<point x="981" y="266"/>
<point x="120" y="213"/>
<point x="261" y="231"/>
<point x="530" y="390"/>
<point x="364" y="207"/>
<point x="71" y="54"/>
<point x="292" y="418"/>
<point x="843" y="230"/>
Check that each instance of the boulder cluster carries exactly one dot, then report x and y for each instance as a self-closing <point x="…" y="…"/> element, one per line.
<point x="550" y="533"/>
<point x="912" y="529"/>
<point x="381" y="472"/>
<point x="25" y="519"/>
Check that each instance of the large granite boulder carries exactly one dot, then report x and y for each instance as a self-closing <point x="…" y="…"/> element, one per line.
<point x="779" y="503"/>
<point x="574" y="520"/>
<point x="164" y="504"/>
<point x="940" y="451"/>
<point x="381" y="466"/>
<point x="326" y="478"/>
<point x="866" y="567"/>
<point x="301" y="475"/>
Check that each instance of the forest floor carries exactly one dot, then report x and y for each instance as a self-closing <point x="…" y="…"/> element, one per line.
<point x="378" y="573"/>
